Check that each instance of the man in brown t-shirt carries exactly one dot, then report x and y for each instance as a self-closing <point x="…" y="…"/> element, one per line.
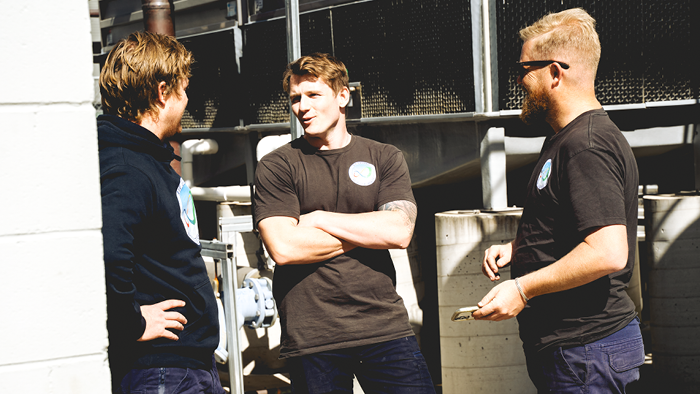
<point x="328" y="206"/>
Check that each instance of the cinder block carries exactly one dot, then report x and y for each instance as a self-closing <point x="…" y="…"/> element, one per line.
<point x="465" y="290"/>
<point x="42" y="66"/>
<point x="482" y="352"/>
<point x="507" y="379"/>
<point x="675" y="283"/>
<point x="677" y="373"/>
<point x="57" y="286"/>
<point x="456" y="227"/>
<point x="670" y="217"/>
<point x="462" y="259"/>
<point x="675" y="312"/>
<point x="54" y="186"/>
<point x="675" y="341"/>
<point x="678" y="254"/>
<point x="78" y="375"/>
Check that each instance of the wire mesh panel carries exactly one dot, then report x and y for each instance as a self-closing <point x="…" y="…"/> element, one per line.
<point x="620" y="78"/>
<point x="411" y="57"/>
<point x="264" y="60"/>
<point x="671" y="39"/>
<point x="511" y="16"/>
<point x="213" y="101"/>
<point x="644" y="44"/>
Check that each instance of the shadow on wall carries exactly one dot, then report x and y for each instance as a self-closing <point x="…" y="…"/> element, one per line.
<point x="673" y="243"/>
<point x="485" y="356"/>
<point x="431" y="200"/>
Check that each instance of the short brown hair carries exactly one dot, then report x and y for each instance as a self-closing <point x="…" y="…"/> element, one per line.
<point x="135" y="67"/>
<point x="571" y="31"/>
<point x="320" y="65"/>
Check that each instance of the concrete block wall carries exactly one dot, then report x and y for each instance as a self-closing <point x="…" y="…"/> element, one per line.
<point x="53" y="337"/>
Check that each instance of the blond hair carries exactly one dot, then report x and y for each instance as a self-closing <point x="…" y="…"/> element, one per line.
<point x="570" y="33"/>
<point x="135" y="68"/>
<point x="319" y="65"/>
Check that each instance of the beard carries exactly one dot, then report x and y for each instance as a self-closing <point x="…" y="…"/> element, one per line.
<point x="535" y="107"/>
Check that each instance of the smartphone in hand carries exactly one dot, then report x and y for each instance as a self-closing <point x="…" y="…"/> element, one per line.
<point x="464" y="313"/>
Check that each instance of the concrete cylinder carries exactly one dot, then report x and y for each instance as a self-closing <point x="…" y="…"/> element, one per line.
<point x="673" y="241"/>
<point x="477" y="356"/>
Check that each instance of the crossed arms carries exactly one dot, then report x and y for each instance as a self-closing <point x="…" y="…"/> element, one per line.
<point x="321" y="235"/>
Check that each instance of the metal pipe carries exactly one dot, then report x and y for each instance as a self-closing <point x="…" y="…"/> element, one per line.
<point x="158" y="16"/>
<point x="488" y="93"/>
<point x="190" y="148"/>
<point x="221" y="193"/>
<point x="493" y="169"/>
<point x="293" y="53"/>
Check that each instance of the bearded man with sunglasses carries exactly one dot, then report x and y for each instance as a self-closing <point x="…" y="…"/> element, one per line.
<point x="574" y="251"/>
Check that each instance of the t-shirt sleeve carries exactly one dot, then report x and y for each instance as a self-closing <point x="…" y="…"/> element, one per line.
<point x="274" y="190"/>
<point x="395" y="180"/>
<point x="596" y="189"/>
<point x="127" y="199"/>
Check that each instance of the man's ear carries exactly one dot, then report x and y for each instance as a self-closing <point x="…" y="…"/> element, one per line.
<point x="344" y="97"/>
<point x="556" y="72"/>
<point x="162" y="97"/>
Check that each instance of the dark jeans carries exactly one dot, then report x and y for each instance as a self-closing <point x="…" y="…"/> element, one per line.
<point x="395" y="367"/>
<point x="604" y="366"/>
<point x="172" y="381"/>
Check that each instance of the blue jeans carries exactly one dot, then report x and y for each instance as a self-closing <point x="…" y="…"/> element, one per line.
<point x="172" y="381"/>
<point x="605" y="366"/>
<point x="395" y="367"/>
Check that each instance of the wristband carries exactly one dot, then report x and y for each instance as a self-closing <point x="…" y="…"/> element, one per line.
<point x="520" y="289"/>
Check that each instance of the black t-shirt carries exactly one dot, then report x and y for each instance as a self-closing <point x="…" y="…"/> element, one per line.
<point x="349" y="300"/>
<point x="586" y="178"/>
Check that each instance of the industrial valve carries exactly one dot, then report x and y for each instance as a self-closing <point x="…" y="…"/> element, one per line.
<point x="255" y="306"/>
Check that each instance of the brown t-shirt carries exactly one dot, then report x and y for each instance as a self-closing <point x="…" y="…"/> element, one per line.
<point x="349" y="300"/>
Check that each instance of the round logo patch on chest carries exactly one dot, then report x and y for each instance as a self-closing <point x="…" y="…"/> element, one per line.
<point x="362" y="173"/>
<point x="188" y="215"/>
<point x="543" y="179"/>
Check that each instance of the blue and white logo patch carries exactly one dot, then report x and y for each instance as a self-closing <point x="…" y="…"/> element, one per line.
<point x="543" y="178"/>
<point x="188" y="215"/>
<point x="362" y="173"/>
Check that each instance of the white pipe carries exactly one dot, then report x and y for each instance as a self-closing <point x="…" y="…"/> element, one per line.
<point x="190" y="148"/>
<point x="270" y="143"/>
<point x="222" y="193"/>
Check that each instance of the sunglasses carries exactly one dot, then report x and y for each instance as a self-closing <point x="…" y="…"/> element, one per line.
<point x="521" y="67"/>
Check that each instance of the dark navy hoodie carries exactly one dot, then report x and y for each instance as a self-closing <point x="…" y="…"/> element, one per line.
<point x="151" y="252"/>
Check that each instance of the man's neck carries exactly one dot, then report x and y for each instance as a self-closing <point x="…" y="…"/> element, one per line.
<point x="335" y="139"/>
<point x="152" y="125"/>
<point x="569" y="109"/>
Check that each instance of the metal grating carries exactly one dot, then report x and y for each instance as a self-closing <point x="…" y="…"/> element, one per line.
<point x="644" y="48"/>
<point x="412" y="58"/>
<point x="213" y="101"/>
<point x="671" y="69"/>
<point x="263" y="62"/>
<point x="620" y="75"/>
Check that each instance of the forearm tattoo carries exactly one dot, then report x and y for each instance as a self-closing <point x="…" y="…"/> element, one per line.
<point x="409" y="210"/>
